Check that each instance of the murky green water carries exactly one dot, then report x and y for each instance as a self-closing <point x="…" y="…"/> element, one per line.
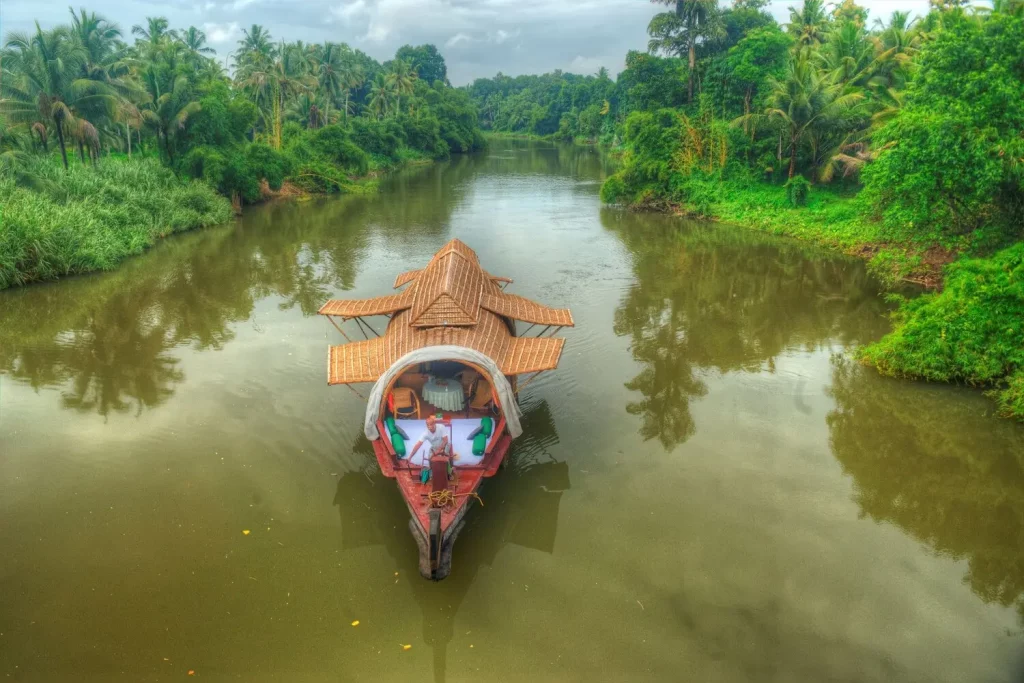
<point x="706" y="491"/>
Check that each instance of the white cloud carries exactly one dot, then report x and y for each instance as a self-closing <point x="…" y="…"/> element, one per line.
<point x="458" y="39"/>
<point x="349" y="11"/>
<point x="501" y="35"/>
<point x="219" y="34"/>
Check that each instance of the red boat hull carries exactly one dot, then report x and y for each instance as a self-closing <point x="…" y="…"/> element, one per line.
<point x="465" y="483"/>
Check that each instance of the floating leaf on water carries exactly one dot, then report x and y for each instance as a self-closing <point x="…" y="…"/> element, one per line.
<point x="246" y="532"/>
<point x="191" y="672"/>
<point x="407" y="647"/>
<point x="355" y="623"/>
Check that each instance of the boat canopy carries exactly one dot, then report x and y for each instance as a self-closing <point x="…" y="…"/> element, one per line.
<point x="499" y="384"/>
<point x="452" y="302"/>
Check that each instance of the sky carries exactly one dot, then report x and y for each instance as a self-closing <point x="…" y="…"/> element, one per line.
<point x="478" y="38"/>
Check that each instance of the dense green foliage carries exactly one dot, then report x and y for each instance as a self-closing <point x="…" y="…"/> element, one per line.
<point x="320" y="116"/>
<point x="563" y="105"/>
<point x="86" y="219"/>
<point x="973" y="331"/>
<point x="916" y="125"/>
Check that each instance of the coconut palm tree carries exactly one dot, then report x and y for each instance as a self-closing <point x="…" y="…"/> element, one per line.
<point x="352" y="77"/>
<point x="256" y="49"/>
<point x="895" y="48"/>
<point x="153" y="36"/>
<point x="99" y="37"/>
<point x="808" y="23"/>
<point x="695" y="20"/>
<point x="330" y="74"/>
<point x="380" y="97"/>
<point x="195" y="41"/>
<point x="49" y="87"/>
<point x="402" y="80"/>
<point x="170" y="107"/>
<point x="809" y="107"/>
<point x="846" y="53"/>
<point x="270" y="87"/>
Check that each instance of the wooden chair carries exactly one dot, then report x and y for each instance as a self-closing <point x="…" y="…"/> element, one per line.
<point x="482" y="398"/>
<point x="407" y="403"/>
<point x="413" y="380"/>
<point x="468" y="378"/>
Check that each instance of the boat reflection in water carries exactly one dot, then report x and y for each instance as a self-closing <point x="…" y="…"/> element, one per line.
<point x="531" y="486"/>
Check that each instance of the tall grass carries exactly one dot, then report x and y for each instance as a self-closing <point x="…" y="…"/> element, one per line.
<point x="88" y="219"/>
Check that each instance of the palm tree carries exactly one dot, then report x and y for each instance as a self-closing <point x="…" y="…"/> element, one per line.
<point x="330" y="74"/>
<point x="154" y="35"/>
<point x="380" y="96"/>
<point x="170" y="109"/>
<point x="696" y="20"/>
<point x="50" y="88"/>
<point x="256" y="49"/>
<point x="270" y="87"/>
<point x="807" y="24"/>
<point x="352" y="77"/>
<point x="895" y="47"/>
<point x="846" y="53"/>
<point x="195" y="41"/>
<point x="99" y="37"/>
<point x="808" y="106"/>
<point x="402" y="80"/>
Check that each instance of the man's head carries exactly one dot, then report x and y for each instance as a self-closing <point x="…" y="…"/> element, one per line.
<point x="431" y="422"/>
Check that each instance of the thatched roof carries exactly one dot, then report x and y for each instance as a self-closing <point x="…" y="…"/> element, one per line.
<point x="450" y="301"/>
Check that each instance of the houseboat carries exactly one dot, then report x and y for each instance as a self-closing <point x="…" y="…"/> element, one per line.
<point x="446" y="372"/>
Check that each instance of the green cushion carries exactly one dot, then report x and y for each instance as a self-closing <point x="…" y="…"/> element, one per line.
<point x="479" y="444"/>
<point x="389" y="422"/>
<point x="486" y="426"/>
<point x="399" y="445"/>
<point x="424" y="475"/>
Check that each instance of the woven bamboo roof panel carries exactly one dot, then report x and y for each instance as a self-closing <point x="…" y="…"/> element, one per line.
<point x="366" y="361"/>
<point x="406" y="277"/>
<point x="520" y="308"/>
<point x="450" y="301"/>
<point x="448" y="290"/>
<point x="352" y="308"/>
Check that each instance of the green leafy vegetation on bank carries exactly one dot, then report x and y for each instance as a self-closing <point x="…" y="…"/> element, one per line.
<point x="900" y="141"/>
<point x="86" y="219"/>
<point x="318" y="116"/>
<point x="972" y="331"/>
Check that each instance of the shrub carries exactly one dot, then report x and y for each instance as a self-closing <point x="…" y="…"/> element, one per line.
<point x="87" y="219"/>
<point x="797" y="190"/>
<point x="973" y="331"/>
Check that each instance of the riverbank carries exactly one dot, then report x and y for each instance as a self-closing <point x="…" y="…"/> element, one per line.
<point x="829" y="218"/>
<point x="969" y="330"/>
<point x="56" y="223"/>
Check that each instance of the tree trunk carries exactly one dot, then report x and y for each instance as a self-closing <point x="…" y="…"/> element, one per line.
<point x="693" y="65"/>
<point x="167" y="147"/>
<point x="746" y="108"/>
<point x="792" y="157"/>
<point x="60" y="139"/>
<point x="128" y="132"/>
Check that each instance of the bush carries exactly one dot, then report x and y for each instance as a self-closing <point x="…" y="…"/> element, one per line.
<point x="797" y="190"/>
<point x="334" y="145"/>
<point x="973" y="331"/>
<point x="87" y="219"/>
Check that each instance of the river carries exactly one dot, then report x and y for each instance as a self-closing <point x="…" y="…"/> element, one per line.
<point x="707" y="489"/>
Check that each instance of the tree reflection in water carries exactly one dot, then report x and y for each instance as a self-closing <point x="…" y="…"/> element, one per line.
<point x="714" y="298"/>
<point x="107" y="340"/>
<point x="915" y="463"/>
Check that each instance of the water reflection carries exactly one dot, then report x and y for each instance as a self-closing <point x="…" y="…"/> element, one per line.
<point x="107" y="340"/>
<point x="523" y="510"/>
<point x="711" y="297"/>
<point x="911" y="469"/>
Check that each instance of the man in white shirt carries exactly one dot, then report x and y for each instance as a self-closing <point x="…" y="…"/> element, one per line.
<point x="436" y="440"/>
